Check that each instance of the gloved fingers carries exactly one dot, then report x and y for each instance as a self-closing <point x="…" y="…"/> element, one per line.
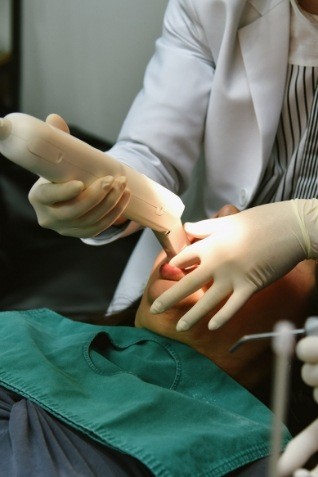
<point x="102" y="194"/>
<point x="66" y="214"/>
<point x="58" y="122"/>
<point x="187" y="257"/>
<point x="315" y="394"/>
<point x="95" y="221"/>
<point x="309" y="373"/>
<point x="113" y="200"/>
<point x="44" y="192"/>
<point x="307" y="349"/>
<point x="84" y="215"/>
<point x="302" y="473"/>
<point x="306" y="472"/>
<point x="298" y="451"/>
<point x="201" y="229"/>
<point x="230" y="307"/>
<point x="181" y="289"/>
<point x="212" y="297"/>
<point x="92" y="226"/>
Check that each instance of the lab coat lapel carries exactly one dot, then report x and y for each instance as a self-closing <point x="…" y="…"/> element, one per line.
<point x="246" y="100"/>
<point x="266" y="65"/>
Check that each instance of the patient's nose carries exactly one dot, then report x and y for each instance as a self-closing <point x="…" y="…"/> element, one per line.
<point x="168" y="272"/>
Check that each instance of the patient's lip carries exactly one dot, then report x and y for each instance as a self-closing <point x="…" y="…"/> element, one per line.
<point x="168" y="272"/>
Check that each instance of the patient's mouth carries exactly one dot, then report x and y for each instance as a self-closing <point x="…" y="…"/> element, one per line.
<point x="168" y="272"/>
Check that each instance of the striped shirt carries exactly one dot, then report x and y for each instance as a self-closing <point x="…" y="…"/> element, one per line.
<point x="292" y="170"/>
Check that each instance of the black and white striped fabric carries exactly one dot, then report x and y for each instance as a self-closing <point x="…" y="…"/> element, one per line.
<point x="292" y="170"/>
<point x="307" y="181"/>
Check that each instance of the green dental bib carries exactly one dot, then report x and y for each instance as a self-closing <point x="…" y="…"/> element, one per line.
<point x="151" y="397"/>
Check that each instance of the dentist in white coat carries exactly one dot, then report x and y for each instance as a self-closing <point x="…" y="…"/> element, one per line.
<point x="217" y="119"/>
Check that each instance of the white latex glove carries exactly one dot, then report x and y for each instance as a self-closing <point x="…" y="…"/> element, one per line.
<point x="298" y="451"/>
<point x="241" y="253"/>
<point x="307" y="351"/>
<point x="303" y="446"/>
<point x="71" y="210"/>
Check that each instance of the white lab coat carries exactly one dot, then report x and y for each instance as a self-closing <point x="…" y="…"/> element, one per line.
<point x="216" y="81"/>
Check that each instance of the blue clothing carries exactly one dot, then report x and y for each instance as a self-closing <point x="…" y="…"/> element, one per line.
<point x="33" y="443"/>
<point x="150" y="397"/>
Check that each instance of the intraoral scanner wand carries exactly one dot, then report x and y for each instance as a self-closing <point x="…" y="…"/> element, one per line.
<point x="59" y="157"/>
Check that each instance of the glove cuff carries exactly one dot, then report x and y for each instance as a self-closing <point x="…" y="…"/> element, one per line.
<point x="306" y="211"/>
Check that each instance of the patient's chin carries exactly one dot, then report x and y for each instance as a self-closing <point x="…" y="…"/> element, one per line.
<point x="157" y="288"/>
<point x="162" y="323"/>
<point x="160" y="286"/>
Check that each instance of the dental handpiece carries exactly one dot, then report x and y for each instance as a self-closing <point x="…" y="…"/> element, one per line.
<point x="59" y="157"/>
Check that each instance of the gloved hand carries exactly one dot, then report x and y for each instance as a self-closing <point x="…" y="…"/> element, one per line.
<point x="303" y="446"/>
<point x="71" y="210"/>
<point x="241" y="254"/>
<point x="298" y="451"/>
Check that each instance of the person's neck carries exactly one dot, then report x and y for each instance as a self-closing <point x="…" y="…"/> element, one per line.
<point x="310" y="6"/>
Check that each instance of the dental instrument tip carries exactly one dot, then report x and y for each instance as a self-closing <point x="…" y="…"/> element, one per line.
<point x="261" y="336"/>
